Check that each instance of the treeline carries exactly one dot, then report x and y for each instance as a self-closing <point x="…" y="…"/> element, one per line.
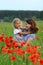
<point x="7" y="15"/>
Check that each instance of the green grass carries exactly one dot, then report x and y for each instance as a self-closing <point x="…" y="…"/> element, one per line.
<point x="7" y="29"/>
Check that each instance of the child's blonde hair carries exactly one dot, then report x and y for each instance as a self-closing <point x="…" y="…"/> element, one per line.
<point x="14" y="21"/>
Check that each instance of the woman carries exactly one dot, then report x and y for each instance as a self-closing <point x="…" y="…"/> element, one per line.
<point x="30" y="26"/>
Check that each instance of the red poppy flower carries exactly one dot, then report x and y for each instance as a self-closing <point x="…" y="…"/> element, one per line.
<point x="10" y="51"/>
<point x="4" y="50"/>
<point x="1" y="38"/>
<point x="2" y="34"/>
<point x="14" y="44"/>
<point x="13" y="58"/>
<point x="41" y="61"/>
<point x="23" y="43"/>
<point x="19" y="51"/>
<point x="10" y="37"/>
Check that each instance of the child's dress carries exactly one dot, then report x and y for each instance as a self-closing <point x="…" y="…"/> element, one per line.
<point x="17" y="37"/>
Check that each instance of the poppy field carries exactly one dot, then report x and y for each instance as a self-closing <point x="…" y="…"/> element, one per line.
<point x="11" y="54"/>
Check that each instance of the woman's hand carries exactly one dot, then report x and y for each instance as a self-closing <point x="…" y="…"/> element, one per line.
<point x="28" y="42"/>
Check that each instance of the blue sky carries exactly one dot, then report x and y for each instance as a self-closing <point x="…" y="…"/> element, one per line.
<point x="21" y="4"/>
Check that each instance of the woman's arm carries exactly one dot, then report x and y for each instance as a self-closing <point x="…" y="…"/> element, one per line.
<point x="30" y="39"/>
<point x="28" y="42"/>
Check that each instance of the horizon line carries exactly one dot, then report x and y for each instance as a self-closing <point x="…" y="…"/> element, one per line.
<point x="20" y="10"/>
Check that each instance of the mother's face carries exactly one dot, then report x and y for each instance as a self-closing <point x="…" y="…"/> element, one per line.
<point x="27" y="25"/>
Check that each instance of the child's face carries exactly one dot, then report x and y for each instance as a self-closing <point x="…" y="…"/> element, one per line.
<point x="17" y="24"/>
<point x="27" y="25"/>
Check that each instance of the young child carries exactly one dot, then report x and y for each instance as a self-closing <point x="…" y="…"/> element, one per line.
<point x="17" y="24"/>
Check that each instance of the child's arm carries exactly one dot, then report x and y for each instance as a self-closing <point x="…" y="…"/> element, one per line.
<point x="23" y="33"/>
